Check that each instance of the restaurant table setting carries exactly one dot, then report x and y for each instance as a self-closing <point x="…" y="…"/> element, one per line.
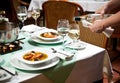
<point x="59" y="66"/>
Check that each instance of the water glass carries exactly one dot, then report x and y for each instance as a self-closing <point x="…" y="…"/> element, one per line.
<point x="63" y="28"/>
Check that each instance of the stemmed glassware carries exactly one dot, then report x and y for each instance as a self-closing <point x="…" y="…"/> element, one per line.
<point x="63" y="28"/>
<point x="74" y="32"/>
<point x="35" y="13"/>
<point x="22" y="13"/>
<point x="2" y="13"/>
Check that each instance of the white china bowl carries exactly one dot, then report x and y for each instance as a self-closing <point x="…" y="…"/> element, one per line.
<point x="20" y="56"/>
<point x="39" y="33"/>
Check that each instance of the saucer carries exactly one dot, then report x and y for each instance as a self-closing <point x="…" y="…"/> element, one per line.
<point x="77" y="45"/>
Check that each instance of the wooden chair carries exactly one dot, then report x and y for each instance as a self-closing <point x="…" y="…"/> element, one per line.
<point x="115" y="36"/>
<point x="55" y="10"/>
<point x="98" y="39"/>
<point x="24" y="2"/>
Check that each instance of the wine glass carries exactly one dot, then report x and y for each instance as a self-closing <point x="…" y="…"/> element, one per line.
<point x="63" y="28"/>
<point x="22" y="13"/>
<point x="35" y="13"/>
<point x="2" y="13"/>
<point x="74" y="32"/>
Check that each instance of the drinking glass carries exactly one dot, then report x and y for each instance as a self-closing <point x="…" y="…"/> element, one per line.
<point x="2" y="13"/>
<point x="35" y="13"/>
<point x="74" y="32"/>
<point x="22" y="13"/>
<point x="63" y="28"/>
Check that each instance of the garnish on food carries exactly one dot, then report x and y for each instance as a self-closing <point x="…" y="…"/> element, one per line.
<point x="35" y="56"/>
<point x="49" y="35"/>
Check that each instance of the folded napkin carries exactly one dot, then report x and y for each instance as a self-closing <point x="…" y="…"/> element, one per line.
<point x="31" y="28"/>
<point x="108" y="31"/>
<point x="62" y="54"/>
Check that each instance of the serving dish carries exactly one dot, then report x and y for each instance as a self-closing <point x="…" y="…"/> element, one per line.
<point x="48" y="35"/>
<point x="21" y="55"/>
<point x="40" y="41"/>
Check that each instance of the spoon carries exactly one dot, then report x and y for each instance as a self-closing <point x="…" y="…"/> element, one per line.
<point x="67" y="56"/>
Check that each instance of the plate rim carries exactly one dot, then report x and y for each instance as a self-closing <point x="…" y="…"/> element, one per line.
<point x="40" y="41"/>
<point x="46" y="39"/>
<point x="34" y="69"/>
<point x="78" y="48"/>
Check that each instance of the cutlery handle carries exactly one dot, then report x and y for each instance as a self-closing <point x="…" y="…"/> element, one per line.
<point x="7" y="71"/>
<point x="63" y="54"/>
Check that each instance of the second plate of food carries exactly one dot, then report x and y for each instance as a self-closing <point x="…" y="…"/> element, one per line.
<point x="35" y="56"/>
<point x="48" y="35"/>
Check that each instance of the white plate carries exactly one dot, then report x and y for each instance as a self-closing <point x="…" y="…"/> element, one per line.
<point x="38" y="34"/>
<point x="38" y="40"/>
<point x="20" y="65"/>
<point x="77" y="46"/>
<point x="6" y="77"/>
<point x="46" y="51"/>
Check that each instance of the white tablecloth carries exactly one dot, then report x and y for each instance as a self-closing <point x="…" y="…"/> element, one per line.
<point x="88" y="5"/>
<point x="88" y="68"/>
<point x="90" y="64"/>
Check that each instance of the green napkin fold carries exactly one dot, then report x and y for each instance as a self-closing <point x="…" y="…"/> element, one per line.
<point x="60" y="72"/>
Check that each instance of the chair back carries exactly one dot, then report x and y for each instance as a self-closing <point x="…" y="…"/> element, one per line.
<point x="24" y="2"/>
<point x="8" y="7"/>
<point x="55" y="10"/>
<point x="98" y="39"/>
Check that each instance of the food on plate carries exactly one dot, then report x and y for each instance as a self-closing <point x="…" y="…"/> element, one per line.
<point x="35" y="56"/>
<point x="49" y="35"/>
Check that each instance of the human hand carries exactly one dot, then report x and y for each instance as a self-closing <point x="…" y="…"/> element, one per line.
<point x="97" y="26"/>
